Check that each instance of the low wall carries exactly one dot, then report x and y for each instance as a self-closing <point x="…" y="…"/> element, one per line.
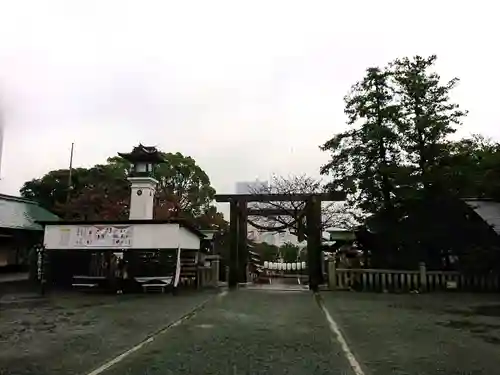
<point x="379" y="280"/>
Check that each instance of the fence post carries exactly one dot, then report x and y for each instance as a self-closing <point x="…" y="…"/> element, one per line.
<point x="332" y="276"/>
<point x="215" y="271"/>
<point x="423" y="276"/>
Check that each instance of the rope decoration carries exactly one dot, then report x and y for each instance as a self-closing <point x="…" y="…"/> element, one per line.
<point x="272" y="229"/>
<point x="292" y="224"/>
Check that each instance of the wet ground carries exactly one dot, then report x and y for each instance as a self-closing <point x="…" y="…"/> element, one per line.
<point x="420" y="334"/>
<point x="253" y="332"/>
<point x="247" y="332"/>
<point x="75" y="332"/>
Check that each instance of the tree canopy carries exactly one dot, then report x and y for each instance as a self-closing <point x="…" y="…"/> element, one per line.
<point x="364" y="158"/>
<point x="102" y="192"/>
<point x="397" y="162"/>
<point x="470" y="167"/>
<point x="287" y="252"/>
<point x="399" y="119"/>
<point x="182" y="184"/>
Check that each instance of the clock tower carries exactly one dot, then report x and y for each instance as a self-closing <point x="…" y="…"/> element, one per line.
<point x="143" y="160"/>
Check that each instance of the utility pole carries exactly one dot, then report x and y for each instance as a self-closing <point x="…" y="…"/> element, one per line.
<point x="68" y="194"/>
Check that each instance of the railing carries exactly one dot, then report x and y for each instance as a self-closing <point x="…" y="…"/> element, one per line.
<point x="409" y="280"/>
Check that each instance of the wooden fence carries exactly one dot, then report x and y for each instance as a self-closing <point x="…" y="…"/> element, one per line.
<point x="379" y="280"/>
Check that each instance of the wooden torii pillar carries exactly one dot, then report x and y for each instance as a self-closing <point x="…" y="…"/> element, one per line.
<point x="242" y="241"/>
<point x="314" y="237"/>
<point x="233" y="243"/>
<point x="238" y="253"/>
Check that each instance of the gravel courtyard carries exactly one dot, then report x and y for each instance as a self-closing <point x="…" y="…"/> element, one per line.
<point x="253" y="332"/>
<point x="421" y="333"/>
<point x="246" y="332"/>
<point x="73" y="333"/>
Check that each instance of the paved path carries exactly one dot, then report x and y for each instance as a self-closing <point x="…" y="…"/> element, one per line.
<point x="286" y="332"/>
<point x="73" y="333"/>
<point x="246" y="332"/>
<point x="264" y="331"/>
<point x="420" y="334"/>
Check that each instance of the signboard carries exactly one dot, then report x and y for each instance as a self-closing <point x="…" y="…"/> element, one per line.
<point x="102" y="236"/>
<point x="64" y="237"/>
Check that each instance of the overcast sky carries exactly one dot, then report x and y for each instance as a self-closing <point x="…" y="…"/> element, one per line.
<point x="247" y="88"/>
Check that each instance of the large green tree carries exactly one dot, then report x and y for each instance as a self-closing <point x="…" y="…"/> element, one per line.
<point x="426" y="117"/>
<point x="471" y="168"/>
<point x="182" y="185"/>
<point x="267" y="252"/>
<point x="52" y="188"/>
<point x="102" y="192"/>
<point x="364" y="159"/>
<point x="211" y="219"/>
<point x="396" y="161"/>
<point x="399" y="121"/>
<point x="93" y="191"/>
<point x="105" y="195"/>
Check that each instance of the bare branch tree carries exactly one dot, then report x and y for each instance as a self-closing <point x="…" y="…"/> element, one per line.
<point x="334" y="214"/>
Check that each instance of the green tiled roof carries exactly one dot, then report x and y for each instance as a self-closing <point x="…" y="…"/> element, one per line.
<point x="20" y="213"/>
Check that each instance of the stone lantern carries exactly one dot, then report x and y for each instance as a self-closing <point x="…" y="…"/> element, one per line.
<point x="143" y="161"/>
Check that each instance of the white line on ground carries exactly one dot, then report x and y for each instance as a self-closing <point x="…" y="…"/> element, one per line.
<point x="150" y="339"/>
<point x="334" y="327"/>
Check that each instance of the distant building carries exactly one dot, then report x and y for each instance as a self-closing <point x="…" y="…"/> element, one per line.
<point x="250" y="187"/>
<point x="19" y="228"/>
<point x="272" y="238"/>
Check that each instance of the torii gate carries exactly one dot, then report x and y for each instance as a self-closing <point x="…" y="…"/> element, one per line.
<point x="238" y="222"/>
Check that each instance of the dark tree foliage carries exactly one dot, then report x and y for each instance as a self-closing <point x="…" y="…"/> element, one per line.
<point x="183" y="187"/>
<point x="105" y="196"/>
<point x="290" y="253"/>
<point x="102" y="192"/>
<point x="471" y="168"/>
<point x="364" y="159"/>
<point x="426" y="118"/>
<point x="397" y="162"/>
<point x="94" y="192"/>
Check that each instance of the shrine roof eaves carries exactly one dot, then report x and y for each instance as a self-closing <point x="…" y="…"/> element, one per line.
<point x="146" y="153"/>
<point x="22" y="213"/>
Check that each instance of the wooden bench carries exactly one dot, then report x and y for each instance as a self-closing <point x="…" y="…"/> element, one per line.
<point x="173" y="266"/>
<point x="84" y="285"/>
<point x="155" y="282"/>
<point x="84" y="281"/>
<point x="161" y="287"/>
